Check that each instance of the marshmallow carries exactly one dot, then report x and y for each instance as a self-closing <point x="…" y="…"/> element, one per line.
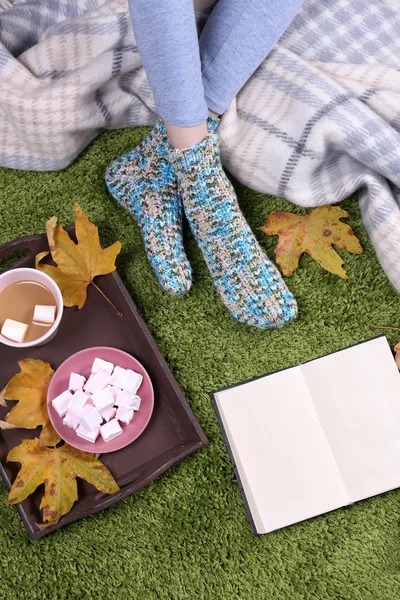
<point x="44" y="314"/>
<point x="96" y="382"/>
<point x="102" y="365"/>
<point x="14" y="330"/>
<point x="136" y="402"/>
<point x="78" y="401"/>
<point x="124" y="415"/>
<point x="76" y="382"/>
<point x="108" y="414"/>
<point x="110" y="430"/>
<point x="61" y="402"/>
<point x="113" y="390"/>
<point x="118" y="377"/>
<point x="132" y="382"/>
<point x="128" y="401"/>
<point x="103" y="399"/>
<point x="89" y="418"/>
<point x="89" y="436"/>
<point x="71" y="420"/>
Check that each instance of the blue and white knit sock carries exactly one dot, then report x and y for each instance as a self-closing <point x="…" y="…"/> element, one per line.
<point x="144" y="183"/>
<point x="251" y="287"/>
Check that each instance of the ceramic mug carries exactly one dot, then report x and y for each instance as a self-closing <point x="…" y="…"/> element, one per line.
<point x="25" y="274"/>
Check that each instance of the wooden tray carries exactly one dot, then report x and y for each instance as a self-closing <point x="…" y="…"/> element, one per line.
<point x="173" y="431"/>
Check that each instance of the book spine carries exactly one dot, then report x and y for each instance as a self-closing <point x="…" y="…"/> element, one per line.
<point x="235" y="470"/>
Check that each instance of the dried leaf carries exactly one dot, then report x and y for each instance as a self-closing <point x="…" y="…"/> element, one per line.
<point x="397" y="355"/>
<point x="77" y="264"/>
<point x="58" y="469"/>
<point x="30" y="387"/>
<point x="313" y="233"/>
<point x="40" y="257"/>
<point x="2" y="400"/>
<point x="4" y="425"/>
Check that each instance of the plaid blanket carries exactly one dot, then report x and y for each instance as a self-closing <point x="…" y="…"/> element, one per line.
<point x="318" y="120"/>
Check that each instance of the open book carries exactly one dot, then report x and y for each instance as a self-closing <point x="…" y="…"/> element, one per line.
<point x="313" y="438"/>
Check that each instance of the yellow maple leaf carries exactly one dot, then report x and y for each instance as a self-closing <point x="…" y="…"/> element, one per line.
<point x="58" y="469"/>
<point x="30" y="387"/>
<point x="313" y="233"/>
<point x="77" y="264"/>
<point x="2" y="400"/>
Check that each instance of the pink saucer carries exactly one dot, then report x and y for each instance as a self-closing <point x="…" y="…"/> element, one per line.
<point x="81" y="362"/>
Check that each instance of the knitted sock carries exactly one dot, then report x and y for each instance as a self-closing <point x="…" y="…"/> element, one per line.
<point x="144" y="183"/>
<point x="251" y="287"/>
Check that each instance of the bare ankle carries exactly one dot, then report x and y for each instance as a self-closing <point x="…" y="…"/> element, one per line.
<point x="185" y="137"/>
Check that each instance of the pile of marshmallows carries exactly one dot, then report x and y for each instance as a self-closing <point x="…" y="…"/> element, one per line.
<point x="108" y="395"/>
<point x="16" y="331"/>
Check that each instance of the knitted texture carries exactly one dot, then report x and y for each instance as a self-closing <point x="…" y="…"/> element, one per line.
<point x="317" y="121"/>
<point x="249" y="284"/>
<point x="144" y="183"/>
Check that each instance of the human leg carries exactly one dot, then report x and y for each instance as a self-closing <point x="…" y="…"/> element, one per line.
<point x="142" y="181"/>
<point x="166" y="37"/>
<point x="144" y="184"/>
<point x="237" y="37"/>
<point x="249" y="284"/>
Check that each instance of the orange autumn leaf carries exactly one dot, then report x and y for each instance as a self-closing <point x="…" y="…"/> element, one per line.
<point x="397" y="355"/>
<point x="313" y="233"/>
<point x="77" y="264"/>
<point x="4" y="425"/>
<point x="2" y="400"/>
<point x="29" y="387"/>
<point x="58" y="469"/>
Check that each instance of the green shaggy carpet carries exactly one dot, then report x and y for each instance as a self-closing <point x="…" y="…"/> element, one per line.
<point x="187" y="535"/>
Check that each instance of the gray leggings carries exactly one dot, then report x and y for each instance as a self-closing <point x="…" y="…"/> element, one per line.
<point x="189" y="75"/>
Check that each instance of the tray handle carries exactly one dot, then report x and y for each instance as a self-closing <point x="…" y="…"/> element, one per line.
<point x="32" y="244"/>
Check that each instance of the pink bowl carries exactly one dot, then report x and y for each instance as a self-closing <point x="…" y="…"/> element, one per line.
<point x="81" y="362"/>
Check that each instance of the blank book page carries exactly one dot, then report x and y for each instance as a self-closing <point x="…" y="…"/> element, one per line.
<point x="357" y="396"/>
<point x="281" y="452"/>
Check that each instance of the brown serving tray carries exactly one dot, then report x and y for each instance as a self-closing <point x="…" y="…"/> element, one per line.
<point x="173" y="432"/>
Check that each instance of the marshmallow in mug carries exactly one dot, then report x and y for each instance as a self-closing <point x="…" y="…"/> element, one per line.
<point x="44" y="314"/>
<point x="14" y="330"/>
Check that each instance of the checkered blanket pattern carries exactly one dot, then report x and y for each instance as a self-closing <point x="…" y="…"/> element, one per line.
<point x="319" y="120"/>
